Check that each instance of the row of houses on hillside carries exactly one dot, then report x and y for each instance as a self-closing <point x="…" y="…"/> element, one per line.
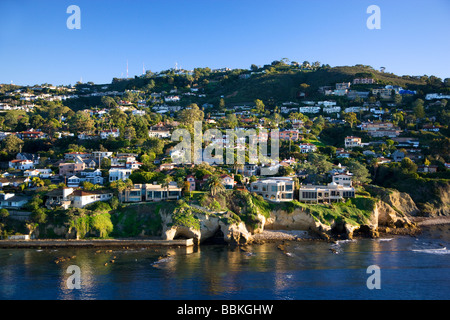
<point x="281" y="189"/>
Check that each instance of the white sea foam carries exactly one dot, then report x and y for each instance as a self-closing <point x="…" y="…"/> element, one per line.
<point x="161" y="261"/>
<point x="339" y="242"/>
<point x="433" y="251"/>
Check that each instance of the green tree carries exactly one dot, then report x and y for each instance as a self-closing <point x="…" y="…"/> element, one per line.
<point x="82" y="122"/>
<point x="37" y="121"/>
<point x="4" y="214"/>
<point x="418" y="109"/>
<point x="191" y="114"/>
<point x="350" y="118"/>
<point x="114" y="203"/>
<point x="108" y="102"/>
<point x="222" y="104"/>
<point x="11" y="144"/>
<point x="232" y="120"/>
<point x="259" y="106"/>
<point x="106" y="163"/>
<point x="87" y="186"/>
<point x="360" y="173"/>
<point x="408" y="165"/>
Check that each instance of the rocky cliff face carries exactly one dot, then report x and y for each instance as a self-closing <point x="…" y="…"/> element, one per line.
<point x="393" y="212"/>
<point x="400" y="201"/>
<point x="383" y="215"/>
<point x="235" y="233"/>
<point x="442" y="208"/>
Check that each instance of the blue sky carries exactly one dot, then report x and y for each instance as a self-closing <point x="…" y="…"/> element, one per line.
<point x="36" y="46"/>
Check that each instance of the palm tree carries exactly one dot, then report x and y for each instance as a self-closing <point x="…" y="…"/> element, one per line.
<point x="214" y="185"/>
<point x="37" y="182"/>
<point x="290" y="140"/>
<point x="375" y="163"/>
<point x="166" y="183"/>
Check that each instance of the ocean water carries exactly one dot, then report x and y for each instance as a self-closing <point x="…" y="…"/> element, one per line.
<point x="410" y="268"/>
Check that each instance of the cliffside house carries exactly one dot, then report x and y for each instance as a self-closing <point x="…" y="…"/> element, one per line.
<point x="69" y="197"/>
<point x="150" y="192"/>
<point x="332" y="192"/>
<point x="80" y="198"/>
<point x="275" y="189"/>
<point x="343" y="179"/>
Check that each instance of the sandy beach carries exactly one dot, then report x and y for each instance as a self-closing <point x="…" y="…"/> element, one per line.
<point x="431" y="221"/>
<point x="281" y="235"/>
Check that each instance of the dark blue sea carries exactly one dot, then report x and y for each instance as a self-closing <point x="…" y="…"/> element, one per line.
<point x="409" y="268"/>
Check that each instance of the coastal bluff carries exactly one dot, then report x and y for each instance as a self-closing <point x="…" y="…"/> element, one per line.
<point x="362" y="216"/>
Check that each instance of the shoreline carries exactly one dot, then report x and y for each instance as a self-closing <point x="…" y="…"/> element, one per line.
<point x="110" y="243"/>
<point x="265" y="236"/>
<point x="431" y="221"/>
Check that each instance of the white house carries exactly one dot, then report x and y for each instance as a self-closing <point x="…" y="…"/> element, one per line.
<point x="101" y="154"/>
<point x="105" y="134"/>
<point x="119" y="174"/>
<point x="10" y="200"/>
<point x="133" y="165"/>
<point x="227" y="181"/>
<point x="138" y="112"/>
<point x="41" y="173"/>
<point x="341" y="153"/>
<point x="333" y="192"/>
<point x="81" y="198"/>
<point x="307" y="147"/>
<point x="309" y="109"/>
<point x="332" y="109"/>
<point x="343" y="179"/>
<point x="121" y="161"/>
<point x="21" y="164"/>
<point x="159" y="133"/>
<point x="93" y="176"/>
<point x="278" y="189"/>
<point x="172" y="98"/>
<point x="326" y="103"/>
